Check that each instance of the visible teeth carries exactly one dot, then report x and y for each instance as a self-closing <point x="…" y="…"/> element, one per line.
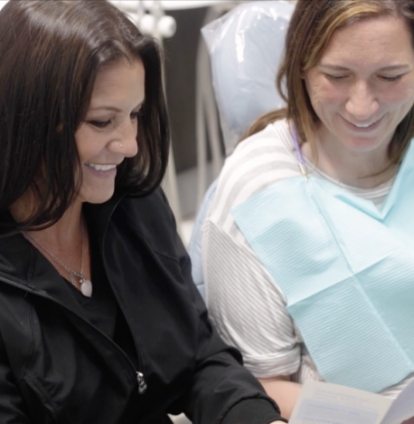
<point x="101" y="167"/>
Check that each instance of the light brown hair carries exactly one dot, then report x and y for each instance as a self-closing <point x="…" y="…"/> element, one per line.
<point x="311" y="28"/>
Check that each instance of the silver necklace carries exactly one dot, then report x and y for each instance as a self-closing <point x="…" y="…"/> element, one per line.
<point x="77" y="278"/>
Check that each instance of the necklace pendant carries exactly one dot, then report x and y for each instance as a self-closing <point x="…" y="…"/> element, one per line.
<point x="85" y="287"/>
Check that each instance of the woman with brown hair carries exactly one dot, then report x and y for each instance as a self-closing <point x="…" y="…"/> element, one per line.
<point x="307" y="247"/>
<point x="99" y="319"/>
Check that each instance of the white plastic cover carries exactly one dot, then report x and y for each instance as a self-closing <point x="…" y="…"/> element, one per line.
<point x="245" y="47"/>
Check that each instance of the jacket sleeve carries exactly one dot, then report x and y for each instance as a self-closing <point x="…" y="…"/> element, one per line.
<point x="12" y="410"/>
<point x="223" y="391"/>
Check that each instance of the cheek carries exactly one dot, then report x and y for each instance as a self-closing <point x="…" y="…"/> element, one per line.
<point x="398" y="96"/>
<point x="398" y="93"/>
<point x="322" y="93"/>
<point x="87" y="143"/>
<point x="80" y="136"/>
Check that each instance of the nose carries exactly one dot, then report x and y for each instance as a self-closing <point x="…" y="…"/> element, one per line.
<point x="125" y="141"/>
<point x="362" y="103"/>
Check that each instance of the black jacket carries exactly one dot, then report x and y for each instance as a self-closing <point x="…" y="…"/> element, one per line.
<point x="56" y="367"/>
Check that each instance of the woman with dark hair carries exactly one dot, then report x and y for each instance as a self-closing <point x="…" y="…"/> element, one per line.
<point x="308" y="245"/>
<point x="99" y="319"/>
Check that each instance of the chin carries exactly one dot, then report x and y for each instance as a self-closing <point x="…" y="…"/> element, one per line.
<point x="100" y="199"/>
<point x="97" y="196"/>
<point x="364" y="145"/>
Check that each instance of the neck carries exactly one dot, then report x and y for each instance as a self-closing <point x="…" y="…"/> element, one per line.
<point x="357" y="169"/>
<point x="65" y="239"/>
<point x="65" y="243"/>
<point x="65" y="231"/>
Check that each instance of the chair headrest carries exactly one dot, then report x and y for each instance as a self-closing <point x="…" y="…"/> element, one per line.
<point x="245" y="47"/>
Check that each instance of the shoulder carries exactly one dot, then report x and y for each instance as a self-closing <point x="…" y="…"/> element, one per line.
<point x="275" y="140"/>
<point x="150" y="209"/>
<point x="260" y="160"/>
<point x="148" y="219"/>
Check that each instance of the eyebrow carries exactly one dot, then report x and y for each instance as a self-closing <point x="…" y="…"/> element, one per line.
<point x="106" y="108"/>
<point x="401" y="67"/>
<point x="112" y="108"/>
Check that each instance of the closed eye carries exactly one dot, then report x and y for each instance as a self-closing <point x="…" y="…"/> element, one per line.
<point x="335" y="77"/>
<point x="99" y="124"/>
<point x="136" y="113"/>
<point x="390" y="78"/>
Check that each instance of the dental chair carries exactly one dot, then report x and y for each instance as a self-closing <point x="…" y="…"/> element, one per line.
<point x="245" y="48"/>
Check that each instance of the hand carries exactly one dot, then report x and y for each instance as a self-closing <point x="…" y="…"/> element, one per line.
<point x="282" y="422"/>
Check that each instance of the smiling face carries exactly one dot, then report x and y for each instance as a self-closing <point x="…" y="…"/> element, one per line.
<point x="109" y="132"/>
<point x="363" y="87"/>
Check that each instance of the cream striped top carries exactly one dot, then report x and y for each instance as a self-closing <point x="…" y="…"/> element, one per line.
<point x="245" y="304"/>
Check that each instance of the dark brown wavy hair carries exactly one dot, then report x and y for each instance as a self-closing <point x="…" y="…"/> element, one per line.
<point x="51" y="52"/>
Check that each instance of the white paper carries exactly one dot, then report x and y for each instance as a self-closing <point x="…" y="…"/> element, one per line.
<point x="326" y="403"/>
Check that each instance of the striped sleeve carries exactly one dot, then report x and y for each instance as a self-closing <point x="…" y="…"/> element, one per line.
<point x="245" y="304"/>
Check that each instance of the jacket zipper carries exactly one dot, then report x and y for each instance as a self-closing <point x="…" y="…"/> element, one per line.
<point x="142" y="385"/>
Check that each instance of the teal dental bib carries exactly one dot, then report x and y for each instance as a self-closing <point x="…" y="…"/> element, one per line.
<point x="346" y="269"/>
